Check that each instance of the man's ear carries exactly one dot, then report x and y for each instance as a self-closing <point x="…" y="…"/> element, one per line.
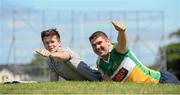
<point x="108" y="41"/>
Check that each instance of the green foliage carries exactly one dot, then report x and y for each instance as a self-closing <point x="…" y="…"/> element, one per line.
<point x="86" y="87"/>
<point x="173" y="52"/>
<point x="175" y="34"/>
<point x="38" y="59"/>
<point x="173" y="55"/>
<point x="36" y="69"/>
<point x="38" y="66"/>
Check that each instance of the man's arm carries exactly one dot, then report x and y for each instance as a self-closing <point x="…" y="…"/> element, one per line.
<point x="54" y="76"/>
<point x="120" y="27"/>
<point x="60" y="55"/>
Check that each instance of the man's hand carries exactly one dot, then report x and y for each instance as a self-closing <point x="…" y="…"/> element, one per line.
<point x="43" y="52"/>
<point x="119" y="26"/>
<point x="121" y="45"/>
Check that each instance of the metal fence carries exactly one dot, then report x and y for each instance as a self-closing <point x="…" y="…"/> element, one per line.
<point x="20" y="33"/>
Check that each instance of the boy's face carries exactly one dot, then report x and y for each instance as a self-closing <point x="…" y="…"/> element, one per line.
<point x="51" y="43"/>
<point x="100" y="46"/>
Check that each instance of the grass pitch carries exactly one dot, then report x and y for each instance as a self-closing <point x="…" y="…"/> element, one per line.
<point x="86" y="87"/>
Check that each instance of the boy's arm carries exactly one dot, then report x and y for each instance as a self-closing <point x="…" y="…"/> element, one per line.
<point x="60" y="55"/>
<point x="120" y="27"/>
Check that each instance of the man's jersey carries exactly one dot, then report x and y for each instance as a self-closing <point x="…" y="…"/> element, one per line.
<point x="126" y="67"/>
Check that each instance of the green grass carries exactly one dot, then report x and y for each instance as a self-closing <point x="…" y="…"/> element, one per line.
<point x="77" y="87"/>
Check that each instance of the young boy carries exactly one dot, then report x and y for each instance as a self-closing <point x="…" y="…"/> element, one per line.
<point x="64" y="62"/>
<point x="116" y="62"/>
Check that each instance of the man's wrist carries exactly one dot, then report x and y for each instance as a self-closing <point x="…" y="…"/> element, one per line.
<point x="122" y="30"/>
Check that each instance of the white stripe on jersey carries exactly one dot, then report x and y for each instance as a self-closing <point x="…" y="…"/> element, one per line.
<point x="128" y="64"/>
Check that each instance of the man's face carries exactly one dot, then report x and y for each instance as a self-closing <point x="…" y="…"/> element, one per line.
<point x="100" y="46"/>
<point x="51" y="43"/>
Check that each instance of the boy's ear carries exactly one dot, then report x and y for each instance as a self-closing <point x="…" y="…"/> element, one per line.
<point x="43" y="42"/>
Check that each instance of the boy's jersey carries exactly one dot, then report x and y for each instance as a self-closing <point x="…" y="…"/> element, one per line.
<point x="126" y="67"/>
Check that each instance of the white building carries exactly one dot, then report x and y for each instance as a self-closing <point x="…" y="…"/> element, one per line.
<point x="6" y="75"/>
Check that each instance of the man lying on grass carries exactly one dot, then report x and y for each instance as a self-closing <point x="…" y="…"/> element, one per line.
<point x="64" y="62"/>
<point x="118" y="63"/>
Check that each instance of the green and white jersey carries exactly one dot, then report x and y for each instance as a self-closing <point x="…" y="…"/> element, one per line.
<point x="126" y="67"/>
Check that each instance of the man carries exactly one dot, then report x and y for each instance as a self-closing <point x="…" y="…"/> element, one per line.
<point x="118" y="63"/>
<point x="64" y="62"/>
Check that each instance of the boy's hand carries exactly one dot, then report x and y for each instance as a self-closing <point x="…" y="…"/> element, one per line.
<point x="43" y="52"/>
<point x="119" y="26"/>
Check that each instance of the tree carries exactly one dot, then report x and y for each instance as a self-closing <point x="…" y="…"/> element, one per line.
<point x="173" y="54"/>
<point x="38" y="65"/>
<point x="38" y="59"/>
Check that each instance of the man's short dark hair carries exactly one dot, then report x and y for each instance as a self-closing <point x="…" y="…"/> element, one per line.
<point x="98" y="34"/>
<point x="50" y="32"/>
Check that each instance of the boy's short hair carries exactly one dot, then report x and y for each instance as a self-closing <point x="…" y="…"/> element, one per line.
<point x="98" y="34"/>
<point x="50" y="32"/>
